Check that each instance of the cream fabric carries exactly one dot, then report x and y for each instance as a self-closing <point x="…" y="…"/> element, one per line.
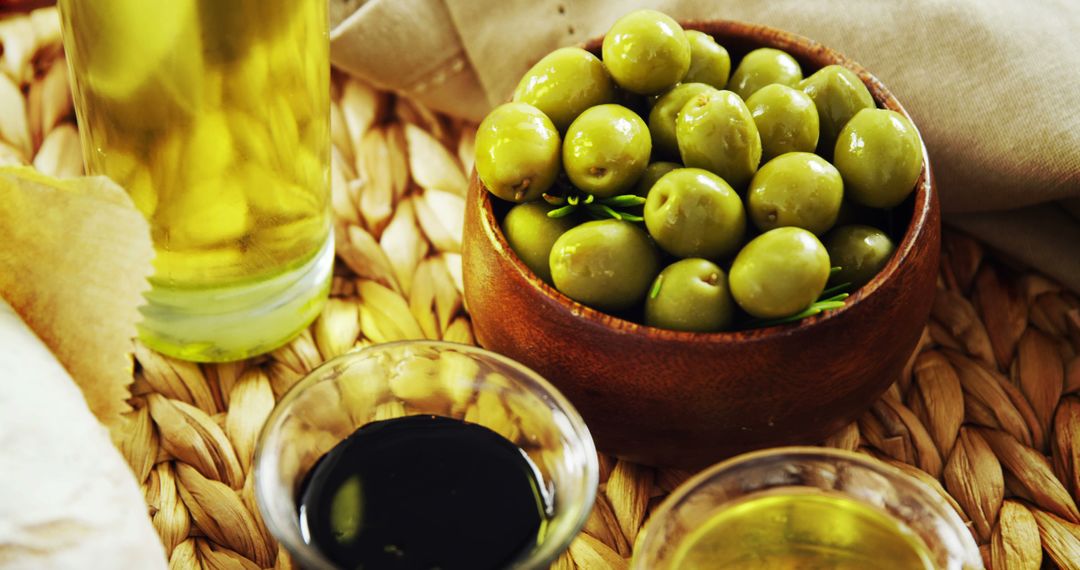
<point x="70" y="500"/>
<point x="994" y="85"/>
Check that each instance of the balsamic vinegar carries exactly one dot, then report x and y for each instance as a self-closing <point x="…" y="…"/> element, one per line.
<point x="424" y="493"/>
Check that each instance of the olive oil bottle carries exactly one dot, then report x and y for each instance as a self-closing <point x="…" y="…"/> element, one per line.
<point x="214" y="116"/>
<point x="802" y="531"/>
<point x="423" y="492"/>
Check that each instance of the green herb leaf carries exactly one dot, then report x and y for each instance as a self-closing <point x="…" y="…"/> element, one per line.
<point x="562" y="212"/>
<point x="810" y="311"/>
<point x="602" y="212"/>
<point x="656" y="286"/>
<point x="834" y="298"/>
<point x="607" y="210"/>
<point x="623" y="201"/>
<point x="841" y="288"/>
<point x="554" y="200"/>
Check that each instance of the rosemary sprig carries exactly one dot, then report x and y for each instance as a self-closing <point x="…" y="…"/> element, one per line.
<point x="553" y="199"/>
<point x="562" y="212"/>
<point x="623" y="201"/>
<point x="831" y="298"/>
<point x="599" y="208"/>
<point x="841" y="288"/>
<point x="834" y="298"/>
<point x="818" y="307"/>
<point x="655" y="291"/>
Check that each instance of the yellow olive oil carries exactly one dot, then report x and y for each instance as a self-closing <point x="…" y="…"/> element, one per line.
<point x="214" y="116"/>
<point x="802" y="531"/>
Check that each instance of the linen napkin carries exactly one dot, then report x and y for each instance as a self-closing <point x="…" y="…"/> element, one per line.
<point x="74" y="259"/>
<point x="993" y="85"/>
<point x="70" y="500"/>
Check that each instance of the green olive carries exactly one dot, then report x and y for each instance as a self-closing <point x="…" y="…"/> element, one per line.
<point x="786" y="119"/>
<point x="690" y="295"/>
<point x="798" y="189"/>
<point x="691" y="212"/>
<point x="838" y="94"/>
<point x="646" y="52"/>
<point x="653" y="173"/>
<point x="716" y="132"/>
<point x="607" y="148"/>
<point x="880" y="156"/>
<point x="709" y="61"/>
<point x="531" y="233"/>
<point x="761" y="67"/>
<point x="564" y="83"/>
<point x="666" y="110"/>
<point x="779" y="273"/>
<point x="859" y="251"/>
<point x="605" y="264"/>
<point x="517" y="152"/>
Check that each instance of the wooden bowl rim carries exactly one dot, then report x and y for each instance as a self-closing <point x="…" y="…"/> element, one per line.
<point x="802" y="48"/>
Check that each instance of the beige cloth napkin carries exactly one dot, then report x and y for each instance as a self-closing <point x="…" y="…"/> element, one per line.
<point x="994" y="85"/>
<point x="69" y="500"/>
<point x="74" y="258"/>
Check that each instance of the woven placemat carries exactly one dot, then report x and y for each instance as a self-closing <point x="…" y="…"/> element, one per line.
<point x="987" y="413"/>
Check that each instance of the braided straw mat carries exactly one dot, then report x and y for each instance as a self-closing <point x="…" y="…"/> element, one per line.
<point x="987" y="414"/>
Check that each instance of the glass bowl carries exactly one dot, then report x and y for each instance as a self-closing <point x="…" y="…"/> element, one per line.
<point x="426" y="378"/>
<point x="812" y="470"/>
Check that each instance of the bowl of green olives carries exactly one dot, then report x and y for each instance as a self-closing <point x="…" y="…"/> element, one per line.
<point x="712" y="236"/>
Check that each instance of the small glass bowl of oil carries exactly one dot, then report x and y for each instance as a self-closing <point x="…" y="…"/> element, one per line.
<point x="805" y="508"/>
<point x="420" y="455"/>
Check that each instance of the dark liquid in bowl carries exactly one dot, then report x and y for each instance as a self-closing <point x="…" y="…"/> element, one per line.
<point x="424" y="493"/>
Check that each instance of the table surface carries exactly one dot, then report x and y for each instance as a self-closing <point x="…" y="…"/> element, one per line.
<point x="988" y="413"/>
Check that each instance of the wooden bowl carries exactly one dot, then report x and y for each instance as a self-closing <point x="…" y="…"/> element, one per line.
<point x="689" y="399"/>
<point x="23" y="5"/>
